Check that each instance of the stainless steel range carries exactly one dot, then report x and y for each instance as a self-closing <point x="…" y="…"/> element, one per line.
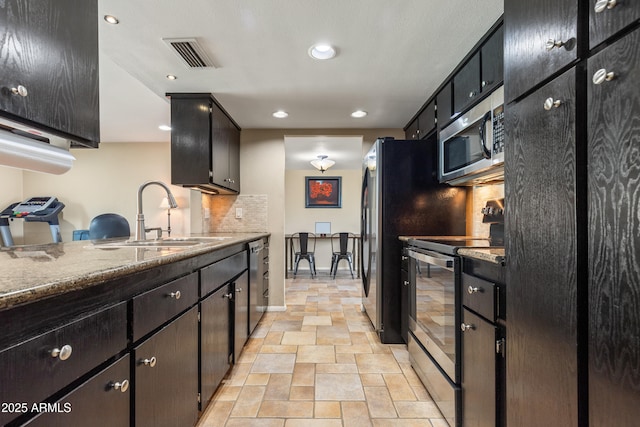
<point x="435" y="309"/>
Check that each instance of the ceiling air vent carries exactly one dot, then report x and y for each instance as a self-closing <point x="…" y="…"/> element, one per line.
<point x="189" y="52"/>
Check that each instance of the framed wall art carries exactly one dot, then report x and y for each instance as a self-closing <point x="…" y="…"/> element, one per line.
<point x="323" y="192"/>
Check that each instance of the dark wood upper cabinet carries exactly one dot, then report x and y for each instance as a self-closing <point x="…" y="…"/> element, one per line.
<point x="411" y="132"/>
<point x="444" y="102"/>
<point x="541" y="40"/>
<point x="466" y="85"/>
<point x="607" y="18"/>
<point x="205" y="144"/>
<point x="427" y="120"/>
<point x="542" y="257"/>
<point x="492" y="59"/>
<point x="614" y="246"/>
<point x="49" y="56"/>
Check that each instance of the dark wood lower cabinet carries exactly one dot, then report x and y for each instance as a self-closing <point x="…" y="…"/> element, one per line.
<point x="166" y="375"/>
<point x="479" y="372"/>
<point x="215" y="341"/>
<point x="103" y="400"/>
<point x="241" y="314"/>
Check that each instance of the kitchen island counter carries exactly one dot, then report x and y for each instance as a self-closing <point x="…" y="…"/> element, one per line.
<point x="34" y="272"/>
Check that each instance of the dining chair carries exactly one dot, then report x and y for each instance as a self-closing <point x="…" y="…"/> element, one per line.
<point x="304" y="248"/>
<point x="340" y="250"/>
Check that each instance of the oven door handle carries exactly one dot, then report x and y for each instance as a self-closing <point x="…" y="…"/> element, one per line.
<point x="433" y="258"/>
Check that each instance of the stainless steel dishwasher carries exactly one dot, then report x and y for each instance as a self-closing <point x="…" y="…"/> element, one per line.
<point x="256" y="273"/>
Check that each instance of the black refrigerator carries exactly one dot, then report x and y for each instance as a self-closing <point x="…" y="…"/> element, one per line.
<point x="401" y="196"/>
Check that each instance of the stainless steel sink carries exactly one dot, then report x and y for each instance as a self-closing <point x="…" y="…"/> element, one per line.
<point x="169" y="242"/>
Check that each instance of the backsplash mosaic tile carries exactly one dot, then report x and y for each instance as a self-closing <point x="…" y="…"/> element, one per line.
<point x="222" y="213"/>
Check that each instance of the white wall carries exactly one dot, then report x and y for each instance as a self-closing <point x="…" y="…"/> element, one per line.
<point x="298" y="218"/>
<point x="107" y="180"/>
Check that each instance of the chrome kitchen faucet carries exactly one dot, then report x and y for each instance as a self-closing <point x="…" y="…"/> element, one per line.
<point x="141" y="231"/>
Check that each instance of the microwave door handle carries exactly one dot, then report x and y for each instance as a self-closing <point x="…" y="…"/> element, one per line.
<point x="486" y="153"/>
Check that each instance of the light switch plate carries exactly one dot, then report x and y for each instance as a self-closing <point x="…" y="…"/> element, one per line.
<point x="238" y="213"/>
<point x="207" y="213"/>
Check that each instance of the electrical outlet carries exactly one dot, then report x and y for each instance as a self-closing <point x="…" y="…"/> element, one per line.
<point x="207" y="213"/>
<point x="238" y="213"/>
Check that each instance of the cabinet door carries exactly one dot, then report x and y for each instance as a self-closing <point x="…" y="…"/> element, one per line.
<point x="215" y="348"/>
<point x="103" y="399"/>
<point x="607" y="18"/>
<point x="492" y="57"/>
<point x="166" y="375"/>
<point x="427" y="120"/>
<point x="478" y="371"/>
<point x="540" y="174"/>
<point x="241" y="314"/>
<point x="529" y="26"/>
<point x="51" y="49"/>
<point x="466" y="84"/>
<point x="219" y="146"/>
<point x="444" y="104"/>
<point x="190" y="140"/>
<point x="411" y="132"/>
<point x="234" y="157"/>
<point x="614" y="246"/>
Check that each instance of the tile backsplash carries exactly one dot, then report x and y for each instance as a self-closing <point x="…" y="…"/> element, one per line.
<point x="222" y="213"/>
<point x="480" y="196"/>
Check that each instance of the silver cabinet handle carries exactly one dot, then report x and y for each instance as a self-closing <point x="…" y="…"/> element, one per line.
<point x="602" y="5"/>
<point x="175" y="294"/>
<point x="123" y="386"/>
<point x="20" y="90"/>
<point x="602" y="76"/>
<point x="473" y="290"/>
<point x="406" y="283"/>
<point x="62" y="353"/>
<point x="472" y="94"/>
<point x="551" y="43"/>
<point x="149" y="362"/>
<point x="238" y="290"/>
<point x="466" y="327"/>
<point x="229" y="295"/>
<point x="550" y="103"/>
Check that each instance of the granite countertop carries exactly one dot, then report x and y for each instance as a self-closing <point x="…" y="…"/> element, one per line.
<point x="32" y="272"/>
<point x="494" y="255"/>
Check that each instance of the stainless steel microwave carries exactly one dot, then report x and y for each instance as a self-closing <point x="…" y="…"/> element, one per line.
<point x="471" y="149"/>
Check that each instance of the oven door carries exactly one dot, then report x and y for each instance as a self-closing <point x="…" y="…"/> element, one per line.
<point x="432" y="307"/>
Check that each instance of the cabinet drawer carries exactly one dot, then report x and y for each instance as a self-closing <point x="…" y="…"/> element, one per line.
<point x="479" y="296"/>
<point x="155" y="307"/>
<point x="104" y="399"/>
<point x="216" y="275"/>
<point x="91" y="340"/>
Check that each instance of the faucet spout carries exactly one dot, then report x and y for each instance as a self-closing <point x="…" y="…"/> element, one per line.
<point x="140" y="228"/>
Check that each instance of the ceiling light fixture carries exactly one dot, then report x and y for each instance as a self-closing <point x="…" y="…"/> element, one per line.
<point x="358" y="114"/>
<point x="111" y="19"/>
<point x="322" y="51"/>
<point x="280" y="114"/>
<point x="171" y="77"/>
<point x="322" y="163"/>
<point x="164" y="127"/>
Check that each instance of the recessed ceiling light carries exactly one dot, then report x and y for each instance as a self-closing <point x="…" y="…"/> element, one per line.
<point x="171" y="77"/>
<point x="322" y="51"/>
<point x="111" y="19"/>
<point x="280" y="114"/>
<point x="359" y="114"/>
<point x="164" y="127"/>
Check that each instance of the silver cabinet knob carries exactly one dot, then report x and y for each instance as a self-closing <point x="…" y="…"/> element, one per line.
<point x="551" y="43"/>
<point x="238" y="290"/>
<point x="550" y="103"/>
<point x="62" y="353"/>
<point x="149" y="362"/>
<point x="406" y="283"/>
<point x="473" y="290"/>
<point x="20" y="90"/>
<point x="229" y="295"/>
<point x="122" y="386"/>
<point x="472" y="94"/>
<point x="175" y="295"/>
<point x="466" y="327"/>
<point x="602" y="76"/>
<point x="602" y="5"/>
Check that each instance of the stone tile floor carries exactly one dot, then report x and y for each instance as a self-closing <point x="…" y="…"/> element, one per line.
<point x="319" y="364"/>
